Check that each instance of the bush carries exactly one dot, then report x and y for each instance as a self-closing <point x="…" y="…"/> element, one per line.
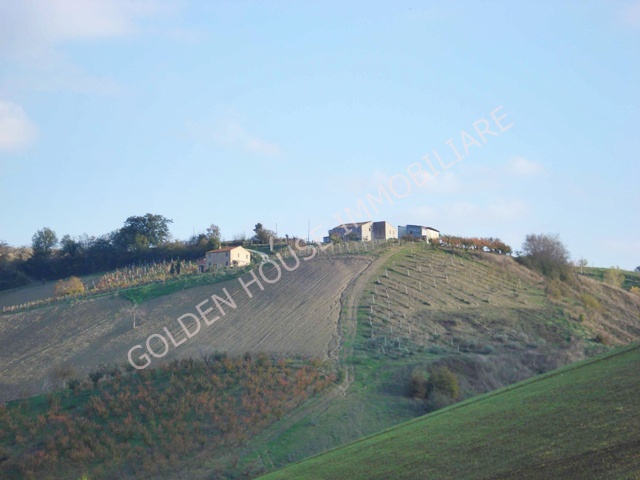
<point x="614" y="277"/>
<point x="440" y="383"/>
<point x="418" y="384"/>
<point x="71" y="286"/>
<point x="635" y="290"/>
<point x="602" y="338"/>
<point x="555" y="289"/>
<point x="443" y="381"/>
<point x="591" y="302"/>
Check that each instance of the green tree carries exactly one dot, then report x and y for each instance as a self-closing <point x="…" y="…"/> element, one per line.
<point x="70" y="247"/>
<point x="614" y="277"/>
<point x="262" y="235"/>
<point x="142" y="232"/>
<point x="43" y="242"/>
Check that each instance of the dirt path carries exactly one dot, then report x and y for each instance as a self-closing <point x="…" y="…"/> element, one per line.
<point x="345" y="331"/>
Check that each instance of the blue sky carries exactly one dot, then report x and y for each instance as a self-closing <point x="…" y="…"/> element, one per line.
<point x="288" y="112"/>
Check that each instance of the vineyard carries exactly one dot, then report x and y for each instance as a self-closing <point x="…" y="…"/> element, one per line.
<point x="185" y="273"/>
<point x="424" y="299"/>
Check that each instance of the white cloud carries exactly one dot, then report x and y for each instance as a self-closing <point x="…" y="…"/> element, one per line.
<point x="34" y="26"/>
<point x="16" y="130"/>
<point x="231" y="133"/>
<point x="34" y="34"/>
<point x="521" y="167"/>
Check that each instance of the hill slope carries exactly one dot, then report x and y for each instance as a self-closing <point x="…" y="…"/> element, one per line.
<point x="296" y="315"/>
<point x="582" y="421"/>
<point x="485" y="317"/>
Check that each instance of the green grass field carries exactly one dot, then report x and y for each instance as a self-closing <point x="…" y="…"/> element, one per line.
<point x="631" y="279"/>
<point x="581" y="421"/>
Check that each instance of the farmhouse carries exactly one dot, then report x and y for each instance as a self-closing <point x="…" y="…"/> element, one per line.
<point x="227" y="257"/>
<point x="363" y="231"/>
<point x="418" y="231"/>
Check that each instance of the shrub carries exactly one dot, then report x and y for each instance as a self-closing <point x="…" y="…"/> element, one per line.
<point x="418" y="384"/>
<point x="602" y="338"/>
<point x="443" y="381"/>
<point x="591" y="302"/>
<point x="554" y="289"/>
<point x="614" y="277"/>
<point x="635" y="290"/>
<point x="71" y="286"/>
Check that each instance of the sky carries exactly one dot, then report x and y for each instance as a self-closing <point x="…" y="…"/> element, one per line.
<point x="289" y="113"/>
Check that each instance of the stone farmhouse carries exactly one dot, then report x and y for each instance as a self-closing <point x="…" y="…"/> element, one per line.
<point x="418" y="231"/>
<point x="363" y="231"/>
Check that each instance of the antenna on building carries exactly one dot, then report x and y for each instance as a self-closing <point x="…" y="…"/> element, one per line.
<point x="308" y="231"/>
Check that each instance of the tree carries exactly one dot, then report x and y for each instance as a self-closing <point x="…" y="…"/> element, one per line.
<point x="70" y="247"/>
<point x="262" y="235"/>
<point x="213" y="236"/>
<point x="547" y="254"/>
<point x="43" y="242"/>
<point x="582" y="263"/>
<point x="614" y="277"/>
<point x="335" y="238"/>
<point x="144" y="232"/>
<point x="637" y="269"/>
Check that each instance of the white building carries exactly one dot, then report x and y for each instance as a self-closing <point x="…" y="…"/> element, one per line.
<point x="418" y="231"/>
<point x="227" y="257"/>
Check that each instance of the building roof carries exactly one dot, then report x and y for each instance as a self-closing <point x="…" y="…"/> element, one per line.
<point x="223" y="249"/>
<point x="422" y="226"/>
<point x="352" y="224"/>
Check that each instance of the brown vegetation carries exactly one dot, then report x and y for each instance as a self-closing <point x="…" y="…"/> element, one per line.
<point x="138" y="425"/>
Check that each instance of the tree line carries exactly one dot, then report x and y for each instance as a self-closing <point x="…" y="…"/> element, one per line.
<point x="141" y="239"/>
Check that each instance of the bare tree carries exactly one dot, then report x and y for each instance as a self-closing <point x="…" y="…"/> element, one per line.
<point x="582" y="263"/>
<point x="547" y="254"/>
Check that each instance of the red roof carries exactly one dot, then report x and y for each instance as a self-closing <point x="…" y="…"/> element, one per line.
<point x="223" y="249"/>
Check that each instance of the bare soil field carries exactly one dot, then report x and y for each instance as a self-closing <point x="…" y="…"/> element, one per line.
<point x="296" y="315"/>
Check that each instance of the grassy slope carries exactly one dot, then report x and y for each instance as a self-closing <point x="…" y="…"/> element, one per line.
<point x="480" y="304"/>
<point x="577" y="422"/>
<point x="631" y="279"/>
